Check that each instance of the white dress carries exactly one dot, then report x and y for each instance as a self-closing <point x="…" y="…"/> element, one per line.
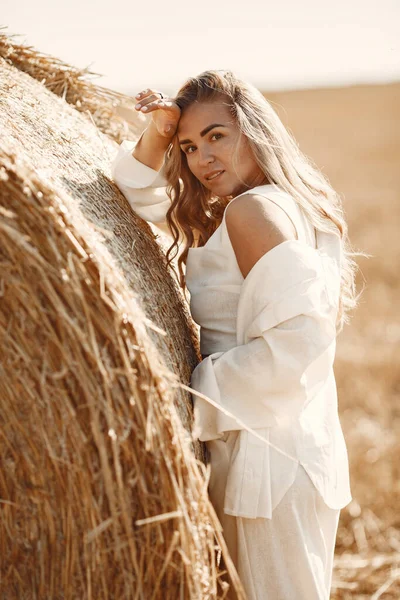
<point x="279" y="510"/>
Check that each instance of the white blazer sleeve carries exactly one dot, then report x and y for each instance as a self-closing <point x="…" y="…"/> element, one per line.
<point x="142" y="186"/>
<point x="289" y="351"/>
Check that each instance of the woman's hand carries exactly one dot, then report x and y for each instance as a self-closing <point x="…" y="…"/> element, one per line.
<point x="165" y="112"/>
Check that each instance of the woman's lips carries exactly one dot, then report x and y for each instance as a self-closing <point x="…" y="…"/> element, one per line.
<point x="216" y="177"/>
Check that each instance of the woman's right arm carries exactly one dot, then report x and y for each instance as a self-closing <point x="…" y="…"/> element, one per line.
<point x="138" y="167"/>
<point x="142" y="185"/>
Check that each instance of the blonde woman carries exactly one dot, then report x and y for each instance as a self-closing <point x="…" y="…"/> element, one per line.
<point x="271" y="280"/>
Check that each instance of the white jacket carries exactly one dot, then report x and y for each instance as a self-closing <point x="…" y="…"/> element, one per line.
<point x="278" y="380"/>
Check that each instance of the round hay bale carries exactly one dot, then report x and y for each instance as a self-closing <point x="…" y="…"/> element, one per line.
<point x="105" y="107"/>
<point x="100" y="491"/>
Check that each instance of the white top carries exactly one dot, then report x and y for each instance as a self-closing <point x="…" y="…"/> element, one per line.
<point x="214" y="278"/>
<point x="271" y="338"/>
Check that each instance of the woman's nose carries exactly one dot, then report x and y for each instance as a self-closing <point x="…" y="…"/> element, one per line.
<point x="205" y="158"/>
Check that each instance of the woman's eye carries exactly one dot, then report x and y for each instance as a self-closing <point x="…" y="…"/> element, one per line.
<point x="213" y="135"/>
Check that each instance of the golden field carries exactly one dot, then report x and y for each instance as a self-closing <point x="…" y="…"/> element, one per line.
<point x="353" y="135"/>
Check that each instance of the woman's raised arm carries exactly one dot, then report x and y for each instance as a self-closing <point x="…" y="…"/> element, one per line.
<point x="138" y="167"/>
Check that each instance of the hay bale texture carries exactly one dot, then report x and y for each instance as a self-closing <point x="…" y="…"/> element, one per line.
<point x="103" y="495"/>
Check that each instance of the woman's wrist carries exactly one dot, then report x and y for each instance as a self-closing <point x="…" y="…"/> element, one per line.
<point x="151" y="147"/>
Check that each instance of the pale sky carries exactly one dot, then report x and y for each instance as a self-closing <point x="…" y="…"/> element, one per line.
<point x="275" y="45"/>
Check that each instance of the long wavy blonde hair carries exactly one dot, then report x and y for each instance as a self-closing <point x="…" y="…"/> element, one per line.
<point x="195" y="210"/>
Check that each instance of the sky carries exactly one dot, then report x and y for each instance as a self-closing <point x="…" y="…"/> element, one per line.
<point x="289" y="44"/>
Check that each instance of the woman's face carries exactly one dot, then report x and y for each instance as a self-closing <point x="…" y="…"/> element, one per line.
<point x="207" y="134"/>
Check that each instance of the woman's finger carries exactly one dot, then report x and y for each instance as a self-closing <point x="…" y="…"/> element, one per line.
<point x="153" y="105"/>
<point x="147" y="93"/>
<point x="144" y="93"/>
<point x="146" y="101"/>
<point x="146" y="105"/>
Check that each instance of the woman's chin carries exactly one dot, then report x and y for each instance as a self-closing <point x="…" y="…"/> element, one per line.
<point x="226" y="188"/>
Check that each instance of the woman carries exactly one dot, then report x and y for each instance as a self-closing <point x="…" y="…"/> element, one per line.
<point x="271" y="280"/>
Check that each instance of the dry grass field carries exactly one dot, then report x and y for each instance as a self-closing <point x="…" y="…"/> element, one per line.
<point x="353" y="135"/>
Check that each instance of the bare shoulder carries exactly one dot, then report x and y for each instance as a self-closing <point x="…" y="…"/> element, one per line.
<point x="255" y="226"/>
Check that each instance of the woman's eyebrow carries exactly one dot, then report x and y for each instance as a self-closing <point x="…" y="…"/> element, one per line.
<point x="203" y="133"/>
